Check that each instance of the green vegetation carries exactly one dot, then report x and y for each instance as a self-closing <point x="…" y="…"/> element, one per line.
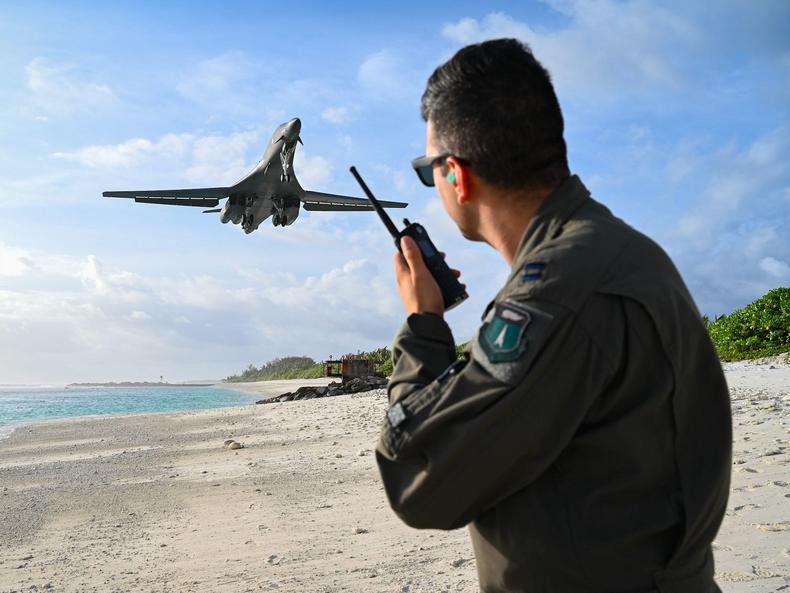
<point x="304" y="367"/>
<point x="288" y="367"/>
<point x="759" y="329"/>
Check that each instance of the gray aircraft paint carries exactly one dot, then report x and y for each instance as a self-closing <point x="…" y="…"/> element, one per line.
<point x="269" y="190"/>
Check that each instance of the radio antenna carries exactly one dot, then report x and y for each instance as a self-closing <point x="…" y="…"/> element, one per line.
<point x="377" y="207"/>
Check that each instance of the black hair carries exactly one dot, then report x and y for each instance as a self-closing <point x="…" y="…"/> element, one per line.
<point x="493" y="104"/>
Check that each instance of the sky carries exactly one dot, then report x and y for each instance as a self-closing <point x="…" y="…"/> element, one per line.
<point x="676" y="117"/>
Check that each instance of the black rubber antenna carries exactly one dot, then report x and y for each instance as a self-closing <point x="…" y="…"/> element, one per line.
<point x="382" y="214"/>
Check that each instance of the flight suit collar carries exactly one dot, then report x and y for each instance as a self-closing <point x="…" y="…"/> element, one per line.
<point x="552" y="214"/>
<point x="549" y="219"/>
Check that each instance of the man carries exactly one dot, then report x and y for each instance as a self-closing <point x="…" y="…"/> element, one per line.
<point x="585" y="438"/>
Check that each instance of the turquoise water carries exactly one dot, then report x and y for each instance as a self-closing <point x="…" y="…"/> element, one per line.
<point x="20" y="405"/>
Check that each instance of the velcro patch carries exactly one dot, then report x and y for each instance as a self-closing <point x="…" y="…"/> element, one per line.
<point x="511" y="337"/>
<point x="502" y="338"/>
<point x="533" y="271"/>
<point x="396" y="415"/>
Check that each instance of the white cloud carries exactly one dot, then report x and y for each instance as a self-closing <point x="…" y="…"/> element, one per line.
<point x="608" y="47"/>
<point x="90" y="320"/>
<point x="774" y="267"/>
<point x="386" y="76"/>
<point x="346" y="141"/>
<point x="222" y="83"/>
<point x="730" y="241"/>
<point x="139" y="316"/>
<point x="219" y="160"/>
<point x="57" y="89"/>
<point x="212" y="160"/>
<point x="14" y="262"/>
<point x="313" y="172"/>
<point x="737" y="179"/>
<point x="131" y="153"/>
<point x="116" y="286"/>
<point x="336" y="115"/>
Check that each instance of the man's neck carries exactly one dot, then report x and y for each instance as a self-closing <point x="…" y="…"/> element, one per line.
<point x="504" y="219"/>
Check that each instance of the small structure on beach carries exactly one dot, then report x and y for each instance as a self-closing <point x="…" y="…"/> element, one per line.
<point x="349" y="368"/>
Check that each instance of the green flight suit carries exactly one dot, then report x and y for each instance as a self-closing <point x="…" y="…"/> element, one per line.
<point x="587" y="437"/>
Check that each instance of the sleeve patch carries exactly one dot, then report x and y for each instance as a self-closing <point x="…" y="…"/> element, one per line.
<point x="503" y="336"/>
<point x="396" y="415"/>
<point x="511" y="336"/>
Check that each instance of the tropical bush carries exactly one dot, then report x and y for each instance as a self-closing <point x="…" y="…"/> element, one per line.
<point x="304" y="367"/>
<point x="761" y="328"/>
<point x="288" y="367"/>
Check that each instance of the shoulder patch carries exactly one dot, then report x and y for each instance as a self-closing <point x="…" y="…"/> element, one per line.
<point x="512" y="335"/>
<point x="502" y="337"/>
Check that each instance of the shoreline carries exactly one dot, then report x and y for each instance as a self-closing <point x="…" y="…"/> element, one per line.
<point x="265" y="389"/>
<point x="7" y="430"/>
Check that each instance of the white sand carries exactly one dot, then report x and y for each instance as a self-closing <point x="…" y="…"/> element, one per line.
<point x="156" y="503"/>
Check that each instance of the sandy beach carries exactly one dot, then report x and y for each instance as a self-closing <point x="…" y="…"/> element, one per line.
<point x="155" y="502"/>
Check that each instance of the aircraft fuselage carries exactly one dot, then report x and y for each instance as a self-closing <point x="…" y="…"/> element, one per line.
<point x="270" y="189"/>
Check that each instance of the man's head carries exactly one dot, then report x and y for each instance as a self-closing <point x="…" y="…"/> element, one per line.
<point x="493" y="105"/>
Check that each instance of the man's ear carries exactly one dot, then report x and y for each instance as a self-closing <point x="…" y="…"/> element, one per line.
<point x="460" y="176"/>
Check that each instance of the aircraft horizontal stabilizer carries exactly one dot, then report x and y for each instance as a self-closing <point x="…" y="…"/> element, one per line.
<point x="317" y="198"/>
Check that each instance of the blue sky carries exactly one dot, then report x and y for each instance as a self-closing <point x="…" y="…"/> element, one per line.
<point x="676" y="118"/>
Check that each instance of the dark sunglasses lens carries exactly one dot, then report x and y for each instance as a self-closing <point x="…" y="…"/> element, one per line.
<point x="425" y="174"/>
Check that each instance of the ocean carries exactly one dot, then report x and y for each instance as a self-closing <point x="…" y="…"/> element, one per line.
<point x="19" y="405"/>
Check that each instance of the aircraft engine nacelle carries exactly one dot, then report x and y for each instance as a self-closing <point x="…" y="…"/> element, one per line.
<point x="231" y="213"/>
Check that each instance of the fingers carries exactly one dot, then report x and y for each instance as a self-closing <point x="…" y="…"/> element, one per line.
<point x="401" y="267"/>
<point x="418" y="289"/>
<point x="412" y="254"/>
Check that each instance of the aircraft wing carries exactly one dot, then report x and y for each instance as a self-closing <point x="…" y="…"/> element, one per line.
<point x="319" y="201"/>
<point x="205" y="197"/>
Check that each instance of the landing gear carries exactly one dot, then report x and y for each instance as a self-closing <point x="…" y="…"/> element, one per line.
<point x="285" y="209"/>
<point x="286" y="155"/>
<point x="247" y="221"/>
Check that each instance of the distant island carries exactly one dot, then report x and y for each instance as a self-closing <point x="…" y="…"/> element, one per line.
<point x="139" y="384"/>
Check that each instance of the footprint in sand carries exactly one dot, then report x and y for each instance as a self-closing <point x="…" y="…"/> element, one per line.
<point x="748" y="507"/>
<point x="778" y="526"/>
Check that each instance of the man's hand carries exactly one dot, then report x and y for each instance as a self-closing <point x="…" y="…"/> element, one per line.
<point x="418" y="290"/>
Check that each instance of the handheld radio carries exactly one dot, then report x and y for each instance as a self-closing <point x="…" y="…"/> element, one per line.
<point x="452" y="290"/>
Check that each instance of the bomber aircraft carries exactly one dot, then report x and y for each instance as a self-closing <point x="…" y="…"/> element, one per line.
<point x="270" y="189"/>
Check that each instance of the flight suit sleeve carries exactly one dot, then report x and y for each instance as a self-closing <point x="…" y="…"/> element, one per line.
<point x="421" y="351"/>
<point x="461" y="436"/>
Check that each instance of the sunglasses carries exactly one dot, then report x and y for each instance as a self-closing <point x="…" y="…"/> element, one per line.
<point x="423" y="166"/>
